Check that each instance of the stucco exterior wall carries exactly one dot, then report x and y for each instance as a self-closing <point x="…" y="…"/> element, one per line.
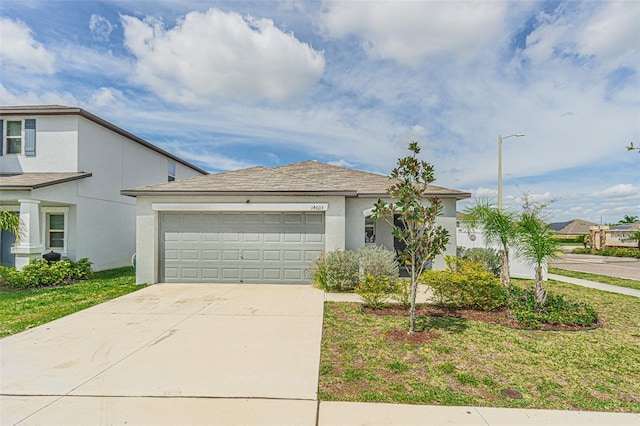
<point x="56" y="146"/>
<point x="100" y="222"/>
<point x="355" y="220"/>
<point x="147" y="232"/>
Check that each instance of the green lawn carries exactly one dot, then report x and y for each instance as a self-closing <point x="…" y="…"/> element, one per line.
<point x="23" y="309"/>
<point x="472" y="362"/>
<point x="605" y="279"/>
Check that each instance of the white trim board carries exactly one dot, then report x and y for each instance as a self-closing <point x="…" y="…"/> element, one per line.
<point x="240" y="207"/>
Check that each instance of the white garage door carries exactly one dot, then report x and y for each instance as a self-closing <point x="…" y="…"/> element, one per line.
<point x="233" y="247"/>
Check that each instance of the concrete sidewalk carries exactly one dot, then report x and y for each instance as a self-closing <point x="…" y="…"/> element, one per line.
<point x="596" y="285"/>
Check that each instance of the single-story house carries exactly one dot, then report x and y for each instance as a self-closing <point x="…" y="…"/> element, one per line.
<point x="571" y="228"/>
<point x="263" y="225"/>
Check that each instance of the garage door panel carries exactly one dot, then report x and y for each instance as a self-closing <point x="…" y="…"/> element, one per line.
<point x="272" y="255"/>
<point x="293" y="274"/>
<point x="230" y="273"/>
<point x="250" y="254"/>
<point x="251" y="237"/>
<point x="210" y="273"/>
<point x="239" y="247"/>
<point x="230" y="254"/>
<point x="210" y="255"/>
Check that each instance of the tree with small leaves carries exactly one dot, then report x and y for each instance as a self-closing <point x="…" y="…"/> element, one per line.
<point x="416" y="226"/>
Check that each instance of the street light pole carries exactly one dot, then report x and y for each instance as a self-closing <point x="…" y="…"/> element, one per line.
<point x="500" y="138"/>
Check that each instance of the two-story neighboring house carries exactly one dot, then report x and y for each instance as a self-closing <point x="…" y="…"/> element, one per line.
<point x="62" y="170"/>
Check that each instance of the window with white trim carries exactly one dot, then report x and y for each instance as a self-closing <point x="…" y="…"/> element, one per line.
<point x="14" y="137"/>
<point x="55" y="231"/>
<point x="171" y="172"/>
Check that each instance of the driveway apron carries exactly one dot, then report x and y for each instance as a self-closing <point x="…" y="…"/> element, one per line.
<point x="171" y="354"/>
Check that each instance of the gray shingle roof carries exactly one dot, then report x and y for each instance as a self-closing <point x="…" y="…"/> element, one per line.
<point x="307" y="177"/>
<point x="24" y="181"/>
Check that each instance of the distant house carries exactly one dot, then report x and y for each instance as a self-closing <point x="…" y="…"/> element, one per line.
<point x="264" y="225"/>
<point x="62" y="170"/>
<point x="571" y="228"/>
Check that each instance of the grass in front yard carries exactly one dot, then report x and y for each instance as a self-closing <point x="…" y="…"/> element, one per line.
<point x="23" y="309"/>
<point x="605" y="279"/>
<point x="472" y="362"/>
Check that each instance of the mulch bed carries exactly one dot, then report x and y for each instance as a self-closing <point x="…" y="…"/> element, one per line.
<point x="502" y="317"/>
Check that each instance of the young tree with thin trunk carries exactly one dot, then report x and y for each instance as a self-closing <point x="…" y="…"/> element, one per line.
<point x="417" y="229"/>
<point x="536" y="245"/>
<point x="499" y="228"/>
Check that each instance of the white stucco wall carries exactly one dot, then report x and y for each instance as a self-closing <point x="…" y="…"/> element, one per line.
<point x="517" y="267"/>
<point x="56" y="146"/>
<point x="101" y="223"/>
<point x="355" y="227"/>
<point x="147" y="232"/>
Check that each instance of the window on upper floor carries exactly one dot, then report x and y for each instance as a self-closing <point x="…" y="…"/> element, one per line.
<point x="18" y="137"/>
<point x="14" y="137"/>
<point x="172" y="172"/>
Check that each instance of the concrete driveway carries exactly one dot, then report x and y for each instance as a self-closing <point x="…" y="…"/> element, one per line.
<point x="171" y="354"/>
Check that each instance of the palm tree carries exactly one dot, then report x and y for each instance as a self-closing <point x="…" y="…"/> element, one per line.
<point x="628" y="219"/>
<point x="536" y="246"/>
<point x="10" y="221"/>
<point x="498" y="227"/>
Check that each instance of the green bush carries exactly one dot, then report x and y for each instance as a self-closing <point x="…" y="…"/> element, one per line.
<point x="10" y="277"/>
<point x="616" y="252"/>
<point x="489" y="258"/>
<point x="374" y="290"/>
<point x="40" y="273"/>
<point x="465" y="285"/>
<point x="337" y="271"/>
<point x="379" y="262"/>
<point x="402" y="292"/>
<point x="556" y="310"/>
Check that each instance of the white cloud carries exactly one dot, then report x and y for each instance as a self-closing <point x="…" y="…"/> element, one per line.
<point x="410" y="31"/>
<point x="16" y="97"/>
<point x="613" y="34"/>
<point x="342" y="163"/>
<point x="107" y="97"/>
<point x="605" y="39"/>
<point x="21" y="51"/>
<point x="622" y="190"/>
<point x="221" y="55"/>
<point x="100" y="27"/>
<point x="211" y="162"/>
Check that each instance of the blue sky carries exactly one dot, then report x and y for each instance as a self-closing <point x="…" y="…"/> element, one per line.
<point x="229" y="85"/>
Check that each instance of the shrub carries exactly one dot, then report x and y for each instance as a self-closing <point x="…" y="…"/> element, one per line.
<point x="465" y="285"/>
<point x="374" y="290"/>
<point x="10" y="277"/>
<point x="402" y="292"/>
<point x="490" y="259"/>
<point x="617" y="252"/>
<point x="379" y="262"/>
<point x="336" y="271"/>
<point x="556" y="310"/>
<point x="40" y="273"/>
